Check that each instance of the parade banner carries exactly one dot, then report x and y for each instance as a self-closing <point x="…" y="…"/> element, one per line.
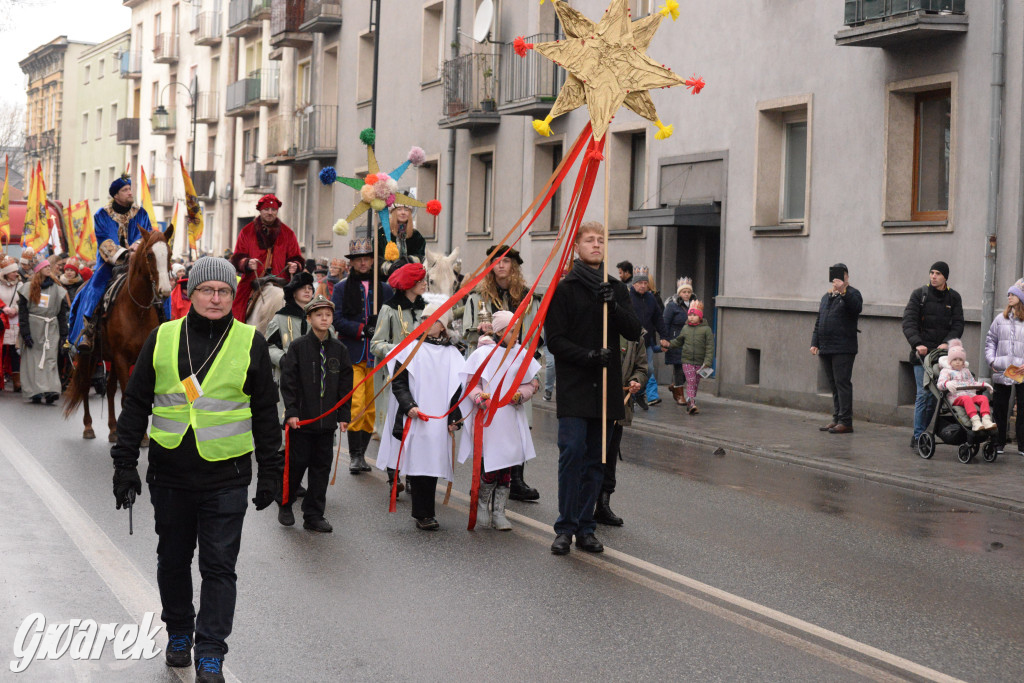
<point x="80" y="225"/>
<point x="37" y="228"/>
<point x="69" y="230"/>
<point x="5" y="201"/>
<point x="195" y="211"/>
<point x="144" y="197"/>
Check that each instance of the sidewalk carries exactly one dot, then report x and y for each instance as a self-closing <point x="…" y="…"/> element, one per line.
<point x="874" y="452"/>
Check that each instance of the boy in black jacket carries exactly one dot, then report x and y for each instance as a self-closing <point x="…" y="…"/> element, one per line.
<point x="316" y="373"/>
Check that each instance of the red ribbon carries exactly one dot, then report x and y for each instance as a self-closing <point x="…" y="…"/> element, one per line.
<point x="478" y="452"/>
<point x="393" y="506"/>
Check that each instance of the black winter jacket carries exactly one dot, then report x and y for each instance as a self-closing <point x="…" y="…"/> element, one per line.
<point x="300" y="382"/>
<point x="651" y="313"/>
<point x="835" y="328"/>
<point x="573" y="328"/>
<point x="183" y="467"/>
<point x="932" y="317"/>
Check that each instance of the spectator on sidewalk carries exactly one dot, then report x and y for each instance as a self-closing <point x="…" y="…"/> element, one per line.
<point x="834" y="341"/>
<point x="960" y="386"/>
<point x="625" y="271"/>
<point x="933" y="316"/>
<point x="697" y="344"/>
<point x="648" y="310"/>
<point x="1004" y="347"/>
<point x="677" y="309"/>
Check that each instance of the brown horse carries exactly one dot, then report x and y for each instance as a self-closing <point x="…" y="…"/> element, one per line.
<point x="124" y="327"/>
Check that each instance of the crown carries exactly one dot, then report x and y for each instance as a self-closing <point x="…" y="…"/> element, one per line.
<point x="696" y="304"/>
<point x="642" y="270"/>
<point x="684" y="282"/>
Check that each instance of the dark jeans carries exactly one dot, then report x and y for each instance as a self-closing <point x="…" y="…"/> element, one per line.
<point x="423" y="489"/>
<point x="579" y="474"/>
<point x="214" y="519"/>
<point x="1001" y="411"/>
<point x="678" y="376"/>
<point x="614" y="446"/>
<point x="839" y="370"/>
<point x="310" y="451"/>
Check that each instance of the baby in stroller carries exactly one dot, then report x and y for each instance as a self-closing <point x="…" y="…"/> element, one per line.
<point x="963" y="389"/>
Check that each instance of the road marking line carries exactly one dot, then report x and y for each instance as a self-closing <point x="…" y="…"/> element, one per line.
<point x="124" y="580"/>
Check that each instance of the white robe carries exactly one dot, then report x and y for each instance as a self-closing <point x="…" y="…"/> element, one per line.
<point x="433" y="380"/>
<point x="507" y="441"/>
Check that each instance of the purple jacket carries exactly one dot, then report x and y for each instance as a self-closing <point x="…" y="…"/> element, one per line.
<point x="1004" y="346"/>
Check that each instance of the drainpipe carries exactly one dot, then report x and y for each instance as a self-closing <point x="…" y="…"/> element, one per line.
<point x="449" y="201"/>
<point x="994" y="170"/>
<point x="229" y="154"/>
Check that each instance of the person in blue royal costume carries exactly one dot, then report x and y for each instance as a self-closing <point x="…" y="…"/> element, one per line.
<point x="118" y="225"/>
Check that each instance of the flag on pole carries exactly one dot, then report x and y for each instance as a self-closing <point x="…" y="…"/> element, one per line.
<point x="81" y="226"/>
<point x="195" y="210"/>
<point x="144" y="197"/>
<point x="37" y="226"/>
<point x="69" y="229"/>
<point x="5" y="200"/>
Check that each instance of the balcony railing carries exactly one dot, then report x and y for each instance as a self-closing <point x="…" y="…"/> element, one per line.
<point x="321" y="16"/>
<point x="164" y="123"/>
<point x="163" y="191"/>
<point x="471" y="91"/>
<point x="244" y="16"/>
<point x="47" y="139"/>
<point x="208" y="104"/>
<point x="31" y="143"/>
<point x="165" y="48"/>
<point x="235" y="101"/>
<point x="529" y="85"/>
<point x="858" y="11"/>
<point x="131" y="64"/>
<point x="127" y="131"/>
<point x="263" y="86"/>
<point x="203" y="181"/>
<point x="208" y="29"/>
<point x="281" y="144"/>
<point x="256" y="178"/>
<point x="285" y="21"/>
<point x="318" y="132"/>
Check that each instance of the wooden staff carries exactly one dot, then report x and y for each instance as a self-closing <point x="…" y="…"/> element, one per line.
<point x="604" y="329"/>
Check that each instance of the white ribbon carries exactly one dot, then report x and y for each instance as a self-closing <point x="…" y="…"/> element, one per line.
<point x="46" y="336"/>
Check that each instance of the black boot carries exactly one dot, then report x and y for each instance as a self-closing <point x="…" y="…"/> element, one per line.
<point x="603" y="513"/>
<point x="520" y="490"/>
<point x="365" y="436"/>
<point x="355" y="452"/>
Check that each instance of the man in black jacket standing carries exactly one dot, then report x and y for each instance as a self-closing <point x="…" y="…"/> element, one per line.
<point x="933" y="316"/>
<point x="834" y="341"/>
<point x="573" y="331"/>
<point x="207" y="380"/>
<point x="316" y="373"/>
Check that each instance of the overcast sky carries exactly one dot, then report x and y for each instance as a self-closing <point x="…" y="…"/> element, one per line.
<point x="27" y="24"/>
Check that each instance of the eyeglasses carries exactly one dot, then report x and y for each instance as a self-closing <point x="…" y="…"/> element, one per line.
<point x="223" y="293"/>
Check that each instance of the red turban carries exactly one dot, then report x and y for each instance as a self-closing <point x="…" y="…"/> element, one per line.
<point x="407" y="276"/>
<point x="268" y="201"/>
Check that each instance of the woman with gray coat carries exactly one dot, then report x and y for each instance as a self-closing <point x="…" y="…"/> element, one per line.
<point x="1004" y="347"/>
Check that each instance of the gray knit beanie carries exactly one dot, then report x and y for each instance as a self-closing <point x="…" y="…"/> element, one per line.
<point x="212" y="268"/>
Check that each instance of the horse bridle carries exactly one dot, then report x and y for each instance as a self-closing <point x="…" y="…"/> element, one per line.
<point x="157" y="299"/>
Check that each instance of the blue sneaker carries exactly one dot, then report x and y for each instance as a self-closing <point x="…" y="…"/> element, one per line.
<point x="208" y="670"/>
<point x="179" y="650"/>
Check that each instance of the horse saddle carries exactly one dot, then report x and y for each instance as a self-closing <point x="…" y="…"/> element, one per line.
<point x="257" y="287"/>
<point x="114" y="287"/>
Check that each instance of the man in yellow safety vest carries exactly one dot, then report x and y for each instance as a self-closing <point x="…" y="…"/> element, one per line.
<point x="207" y="381"/>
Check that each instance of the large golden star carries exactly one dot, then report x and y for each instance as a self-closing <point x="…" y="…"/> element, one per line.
<point x="608" y="65"/>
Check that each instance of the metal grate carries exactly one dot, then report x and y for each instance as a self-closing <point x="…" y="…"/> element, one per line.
<point x="858" y="11"/>
<point x="531" y="77"/>
<point x="470" y="84"/>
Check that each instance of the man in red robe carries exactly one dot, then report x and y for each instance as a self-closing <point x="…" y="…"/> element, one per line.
<point x="265" y="246"/>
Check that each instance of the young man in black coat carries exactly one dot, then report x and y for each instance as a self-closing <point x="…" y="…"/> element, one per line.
<point x="573" y="331"/>
<point x="933" y="316"/>
<point x="834" y="341"/>
<point x="316" y="373"/>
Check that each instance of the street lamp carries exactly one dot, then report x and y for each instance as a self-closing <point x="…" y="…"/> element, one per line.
<point x="161" y="117"/>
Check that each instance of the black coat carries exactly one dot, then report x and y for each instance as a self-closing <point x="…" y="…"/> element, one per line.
<point x="932" y="317"/>
<point x="300" y="382"/>
<point x="183" y="467"/>
<point x="573" y="328"/>
<point x="651" y="313"/>
<point x="675" y="321"/>
<point x="835" y="328"/>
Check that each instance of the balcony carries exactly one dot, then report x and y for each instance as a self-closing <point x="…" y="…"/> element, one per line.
<point x="281" y="141"/>
<point x="470" y="91"/>
<point x="165" y="49"/>
<point x="529" y="85"/>
<point x="257" y="180"/>
<point x="259" y="89"/>
<point x="163" y="191"/>
<point x="47" y="139"/>
<point x="285" y="21"/>
<point x="131" y="64"/>
<point x="317" y="132"/>
<point x="208" y="29"/>
<point x="128" y="131"/>
<point x="209" y="107"/>
<point x="245" y="17"/>
<point x="204" y="182"/>
<point x="31" y="144"/>
<point x="321" y="16"/>
<point x="163" y="122"/>
<point x="895" y="23"/>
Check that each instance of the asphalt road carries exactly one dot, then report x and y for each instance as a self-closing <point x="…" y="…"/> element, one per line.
<point x="729" y="567"/>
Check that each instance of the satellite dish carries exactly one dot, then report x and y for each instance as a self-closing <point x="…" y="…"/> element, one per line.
<point x="482" y="23"/>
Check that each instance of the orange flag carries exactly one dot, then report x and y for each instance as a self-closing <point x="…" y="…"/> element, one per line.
<point x="5" y="200"/>
<point x="82" y="227"/>
<point x="144" y="196"/>
<point x="37" y="226"/>
<point x="195" y="210"/>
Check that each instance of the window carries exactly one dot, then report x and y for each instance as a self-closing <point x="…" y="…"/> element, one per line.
<point x="481" y="193"/>
<point x="782" y="175"/>
<point x="931" y="156"/>
<point x="364" y="74"/>
<point x="99" y="122"/>
<point x="85" y="127"/>
<point x="637" y="171"/>
<point x="112" y="173"/>
<point x="627" y="163"/>
<point x="641" y="8"/>
<point x="85" y="78"/>
<point x="299" y="202"/>
<point x="113" y="118"/>
<point x="546" y="157"/>
<point x="83" y="180"/>
<point x="426" y="189"/>
<point x="96" y="185"/>
<point x="432" y="55"/>
<point x="152" y="166"/>
<point x="101" y="68"/>
<point x="302" y="76"/>
<point x="156" y="26"/>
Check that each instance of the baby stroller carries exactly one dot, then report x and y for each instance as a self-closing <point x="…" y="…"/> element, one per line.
<point x="950" y="424"/>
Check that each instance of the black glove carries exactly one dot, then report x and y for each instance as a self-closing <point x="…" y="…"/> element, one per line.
<point x="599" y="357"/>
<point x="370" y="326"/>
<point x="26" y="340"/>
<point x="607" y="294"/>
<point x="266" y="492"/>
<point x="127" y="485"/>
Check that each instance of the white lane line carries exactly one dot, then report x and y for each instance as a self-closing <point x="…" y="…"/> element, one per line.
<point x="127" y="583"/>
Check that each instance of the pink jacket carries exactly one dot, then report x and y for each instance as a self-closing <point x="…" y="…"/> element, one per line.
<point x="950" y="379"/>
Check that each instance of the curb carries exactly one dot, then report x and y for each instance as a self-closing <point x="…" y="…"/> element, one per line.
<point x="646" y="427"/>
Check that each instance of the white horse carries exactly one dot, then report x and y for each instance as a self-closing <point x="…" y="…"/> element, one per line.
<point x="269" y="300"/>
<point x="442" y="279"/>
